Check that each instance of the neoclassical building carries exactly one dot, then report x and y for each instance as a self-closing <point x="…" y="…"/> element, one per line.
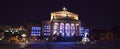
<point x="62" y="23"/>
<point x="65" y="23"/>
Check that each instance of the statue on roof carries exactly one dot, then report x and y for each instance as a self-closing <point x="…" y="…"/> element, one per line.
<point x="64" y="9"/>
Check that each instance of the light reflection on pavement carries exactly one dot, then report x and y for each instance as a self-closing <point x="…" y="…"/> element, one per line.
<point x="56" y="45"/>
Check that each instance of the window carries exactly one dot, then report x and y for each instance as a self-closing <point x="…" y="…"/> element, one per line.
<point x="35" y="31"/>
<point x="47" y="30"/>
<point x="81" y="31"/>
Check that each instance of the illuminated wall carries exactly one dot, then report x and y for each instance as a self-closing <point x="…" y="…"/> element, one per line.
<point x="35" y="31"/>
<point x="55" y="29"/>
<point x="62" y="29"/>
<point x="72" y="29"/>
<point x="63" y="14"/>
<point x="65" y="29"/>
<point x="46" y="30"/>
<point x="88" y="31"/>
<point x="81" y="31"/>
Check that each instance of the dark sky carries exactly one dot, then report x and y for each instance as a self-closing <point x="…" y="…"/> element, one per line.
<point x="100" y="14"/>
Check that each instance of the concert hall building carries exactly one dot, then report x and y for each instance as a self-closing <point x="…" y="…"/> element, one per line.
<point x="62" y="24"/>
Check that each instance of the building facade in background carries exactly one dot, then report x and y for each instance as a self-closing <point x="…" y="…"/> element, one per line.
<point x="8" y="32"/>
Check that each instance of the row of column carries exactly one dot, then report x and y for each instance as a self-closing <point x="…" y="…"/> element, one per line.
<point x="65" y="29"/>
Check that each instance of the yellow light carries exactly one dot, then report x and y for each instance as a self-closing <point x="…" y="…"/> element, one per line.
<point x="23" y="35"/>
<point x="64" y="13"/>
<point x="64" y="9"/>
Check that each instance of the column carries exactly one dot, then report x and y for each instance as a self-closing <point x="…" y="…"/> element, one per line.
<point x="59" y="28"/>
<point x="64" y="28"/>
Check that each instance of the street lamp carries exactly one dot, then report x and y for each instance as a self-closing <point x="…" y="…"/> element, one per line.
<point x="23" y="35"/>
<point x="24" y="38"/>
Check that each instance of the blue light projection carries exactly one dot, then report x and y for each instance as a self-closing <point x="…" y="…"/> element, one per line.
<point x="81" y="31"/>
<point x="55" y="30"/>
<point x="88" y="31"/>
<point x="62" y="29"/>
<point x="35" y="31"/>
<point x="85" y="39"/>
<point x="47" y="30"/>
<point x="67" y="29"/>
<point x="72" y="29"/>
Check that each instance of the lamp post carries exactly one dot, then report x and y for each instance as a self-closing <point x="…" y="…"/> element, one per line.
<point x="23" y="37"/>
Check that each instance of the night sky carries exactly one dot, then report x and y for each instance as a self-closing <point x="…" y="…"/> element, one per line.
<point x="100" y="14"/>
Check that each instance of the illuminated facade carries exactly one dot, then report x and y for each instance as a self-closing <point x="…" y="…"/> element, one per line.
<point x="62" y="24"/>
<point x="65" y="23"/>
<point x="35" y="31"/>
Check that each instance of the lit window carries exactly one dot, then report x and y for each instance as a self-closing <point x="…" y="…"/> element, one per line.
<point x="6" y="30"/>
<point x="47" y="30"/>
<point x="46" y="33"/>
<point x="35" y="31"/>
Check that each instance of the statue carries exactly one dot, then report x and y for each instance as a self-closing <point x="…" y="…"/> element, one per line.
<point x="64" y="9"/>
